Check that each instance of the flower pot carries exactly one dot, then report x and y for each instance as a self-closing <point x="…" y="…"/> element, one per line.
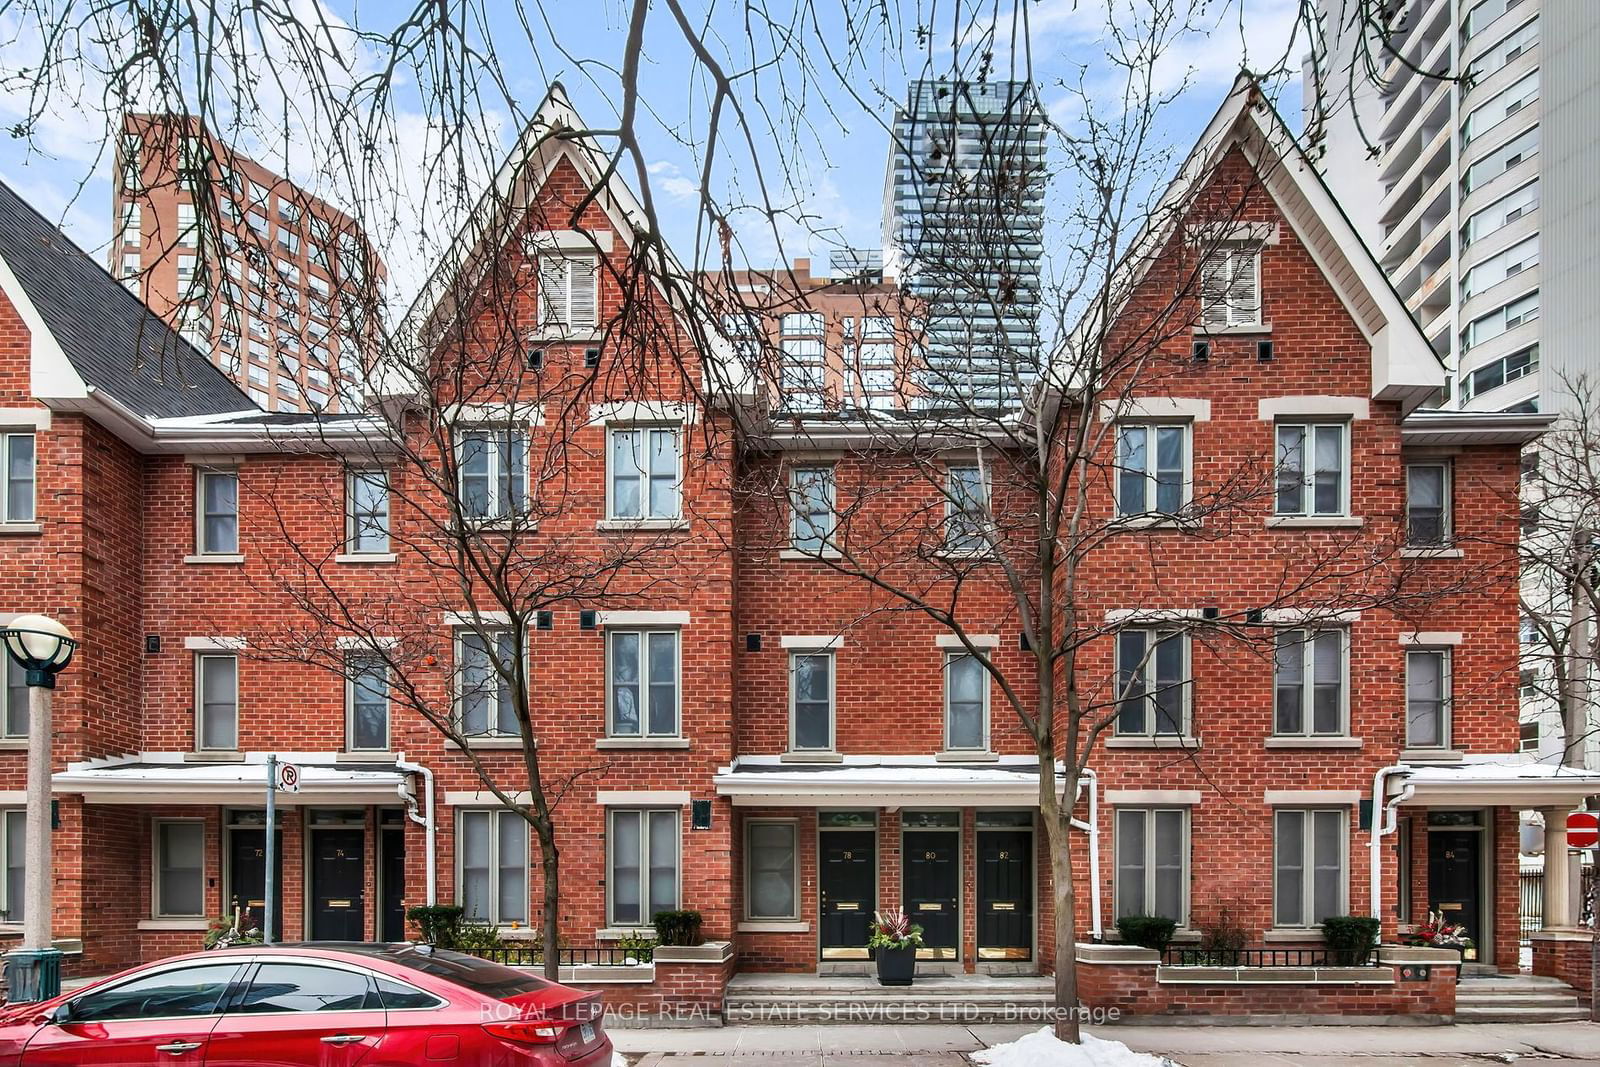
<point x="896" y="966"/>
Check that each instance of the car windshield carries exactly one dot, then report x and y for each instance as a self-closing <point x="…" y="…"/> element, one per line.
<point x="479" y="975"/>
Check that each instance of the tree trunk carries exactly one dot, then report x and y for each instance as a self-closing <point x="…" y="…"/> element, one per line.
<point x="1058" y="835"/>
<point x="550" y="864"/>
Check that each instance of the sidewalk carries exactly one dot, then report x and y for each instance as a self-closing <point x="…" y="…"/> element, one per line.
<point x="1192" y="1046"/>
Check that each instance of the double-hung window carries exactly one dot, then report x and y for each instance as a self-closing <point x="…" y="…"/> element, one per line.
<point x="367" y="698"/>
<point x="217" y="512"/>
<point x="367" y="504"/>
<point x="20" y="467"/>
<point x="1428" y="698"/>
<point x="1309" y="680"/>
<point x="180" y="890"/>
<point x="1230" y="286"/>
<point x="1428" y="504"/>
<point x="1152" y="468"/>
<point x="484" y="702"/>
<point x="1152" y="682"/>
<point x="13" y="853"/>
<point x="494" y="866"/>
<point x="569" y="292"/>
<point x="966" y="510"/>
<point x="643" y="864"/>
<point x="1309" y="880"/>
<point x="494" y="472"/>
<point x="15" y="720"/>
<point x="966" y="703"/>
<point x="771" y="872"/>
<point x="811" y="701"/>
<point x="1153" y="862"/>
<point x="645" y="476"/>
<point x="216" y="702"/>
<point x="811" y="497"/>
<point x="802" y="371"/>
<point x="1313" y="469"/>
<point x="644" y="682"/>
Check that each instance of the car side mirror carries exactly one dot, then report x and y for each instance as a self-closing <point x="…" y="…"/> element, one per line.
<point x="60" y="1014"/>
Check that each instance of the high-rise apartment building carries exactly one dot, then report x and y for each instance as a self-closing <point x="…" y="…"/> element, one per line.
<point x="963" y="228"/>
<point x="277" y="285"/>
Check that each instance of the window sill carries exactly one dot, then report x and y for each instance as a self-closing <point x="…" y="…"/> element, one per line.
<point x="1228" y="331"/>
<point x="174" y="924"/>
<point x="477" y="743"/>
<point x="366" y="756"/>
<point x="966" y="756"/>
<point x="810" y="757"/>
<point x="214" y="756"/>
<point x="1289" y="933"/>
<point x="1182" y="935"/>
<point x="1431" y="755"/>
<point x="13" y="744"/>
<point x="970" y="555"/>
<point x="1430" y="553"/>
<point x="617" y="933"/>
<point x="20" y="529"/>
<point x="500" y="525"/>
<point x="556" y="335"/>
<point x="365" y="557"/>
<point x="774" y="926"/>
<point x="625" y="743"/>
<point x="1134" y="523"/>
<point x="800" y="553"/>
<point x="1305" y="522"/>
<point x="214" y="557"/>
<point x="641" y="525"/>
<point x="1314" y="742"/>
<point x="1154" y="741"/>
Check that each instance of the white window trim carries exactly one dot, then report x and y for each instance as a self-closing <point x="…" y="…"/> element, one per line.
<point x="1308" y="886"/>
<point x="1308" y="475"/>
<point x="794" y="912"/>
<point x="1152" y="427"/>
<point x="828" y="546"/>
<point x="833" y="696"/>
<point x="494" y="813"/>
<point x="986" y="744"/>
<point x="1185" y="850"/>
<point x="155" y="867"/>
<point x="1153" y="637"/>
<point x="7" y="435"/>
<point x="199" y="699"/>
<point x="644" y="518"/>
<point x="647" y="907"/>
<point x="1447" y="516"/>
<point x="1447" y="702"/>
<point x="953" y="641"/>
<point x="1308" y="684"/>
<point x="818" y="643"/>
<point x="644" y="634"/>
<point x="1156" y="409"/>
<point x="1231" y="247"/>
<point x="569" y="259"/>
<point x="490" y="635"/>
<point x="5" y="858"/>
<point x="1308" y="408"/>
<point x="501" y="511"/>
<point x="350" y="520"/>
<point x="350" y="702"/>
<point x="983" y="547"/>
<point x="642" y="618"/>
<point x="201" y="548"/>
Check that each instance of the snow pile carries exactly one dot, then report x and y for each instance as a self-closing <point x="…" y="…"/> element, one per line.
<point x="1043" y="1049"/>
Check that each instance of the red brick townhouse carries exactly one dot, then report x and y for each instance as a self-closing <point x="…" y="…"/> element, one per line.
<point x="733" y="725"/>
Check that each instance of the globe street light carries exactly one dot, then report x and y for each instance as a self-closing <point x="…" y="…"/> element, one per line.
<point x="41" y="646"/>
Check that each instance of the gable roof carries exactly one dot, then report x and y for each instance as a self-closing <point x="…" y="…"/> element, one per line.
<point x="1404" y="365"/>
<point x="92" y="336"/>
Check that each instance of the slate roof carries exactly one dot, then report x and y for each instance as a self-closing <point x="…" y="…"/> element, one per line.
<point x="115" y="343"/>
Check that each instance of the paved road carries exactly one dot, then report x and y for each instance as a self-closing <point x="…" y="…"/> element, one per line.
<point x="1193" y="1046"/>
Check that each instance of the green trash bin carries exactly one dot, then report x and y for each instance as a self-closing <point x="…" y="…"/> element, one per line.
<point x="32" y="975"/>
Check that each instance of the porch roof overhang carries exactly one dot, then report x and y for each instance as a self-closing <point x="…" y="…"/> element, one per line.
<point x="162" y="780"/>
<point x="881" y="782"/>
<point x="1496" y="781"/>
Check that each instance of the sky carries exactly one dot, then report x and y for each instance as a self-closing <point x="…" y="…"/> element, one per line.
<point x="819" y="134"/>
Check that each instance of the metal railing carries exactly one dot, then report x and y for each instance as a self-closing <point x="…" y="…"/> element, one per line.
<point x="1530" y="893"/>
<point x="581" y="955"/>
<point x="1265" y="957"/>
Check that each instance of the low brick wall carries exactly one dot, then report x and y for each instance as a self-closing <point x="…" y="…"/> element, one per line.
<point x="682" y="986"/>
<point x="1564" y="954"/>
<point x="1134" y="982"/>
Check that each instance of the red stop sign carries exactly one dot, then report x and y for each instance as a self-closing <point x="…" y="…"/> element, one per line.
<point x="1583" y="829"/>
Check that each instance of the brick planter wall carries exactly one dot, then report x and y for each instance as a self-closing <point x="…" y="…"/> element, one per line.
<point x="1133" y="981"/>
<point x="683" y="986"/>
<point x="1564" y="954"/>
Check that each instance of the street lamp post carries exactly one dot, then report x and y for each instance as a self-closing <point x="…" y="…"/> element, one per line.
<point x="41" y="646"/>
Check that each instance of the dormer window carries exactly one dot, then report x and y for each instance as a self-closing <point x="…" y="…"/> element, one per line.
<point x="569" y="291"/>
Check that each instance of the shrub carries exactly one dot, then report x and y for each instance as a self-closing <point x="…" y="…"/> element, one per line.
<point x="1349" y="939"/>
<point x="1222" y="937"/>
<point x="478" y="938"/>
<point x="637" y="949"/>
<point x="1147" y="931"/>
<point x="678" y="927"/>
<point x="439" y="924"/>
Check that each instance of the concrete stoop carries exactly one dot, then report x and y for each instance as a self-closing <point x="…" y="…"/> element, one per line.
<point x="792" y="999"/>
<point x="1517" y="999"/>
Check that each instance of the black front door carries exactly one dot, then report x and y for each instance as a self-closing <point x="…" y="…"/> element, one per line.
<point x="931" y="882"/>
<point x="1455" y="880"/>
<point x="337" y="872"/>
<point x="1005" y="894"/>
<point x="247" y="879"/>
<point x="847" y="892"/>
<point x="392" y="887"/>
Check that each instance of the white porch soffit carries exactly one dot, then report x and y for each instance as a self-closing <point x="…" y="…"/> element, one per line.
<point x="1498" y="781"/>
<point x="229" y="783"/>
<point x="888" y="782"/>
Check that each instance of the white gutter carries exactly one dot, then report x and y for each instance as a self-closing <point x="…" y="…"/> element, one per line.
<point x="1384" y="820"/>
<point x="426" y="822"/>
<point x="1093" y="830"/>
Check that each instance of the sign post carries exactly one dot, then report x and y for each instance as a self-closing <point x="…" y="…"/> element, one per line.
<point x="285" y="776"/>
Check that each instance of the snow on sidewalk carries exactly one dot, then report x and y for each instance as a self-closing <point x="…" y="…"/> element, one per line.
<point x="1043" y="1049"/>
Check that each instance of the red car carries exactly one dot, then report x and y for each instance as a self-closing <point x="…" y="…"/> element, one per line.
<point x="326" y="1005"/>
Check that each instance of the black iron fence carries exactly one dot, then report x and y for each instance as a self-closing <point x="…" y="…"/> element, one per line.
<point x="1530" y="893"/>
<point x="581" y="955"/>
<point x="1266" y="957"/>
